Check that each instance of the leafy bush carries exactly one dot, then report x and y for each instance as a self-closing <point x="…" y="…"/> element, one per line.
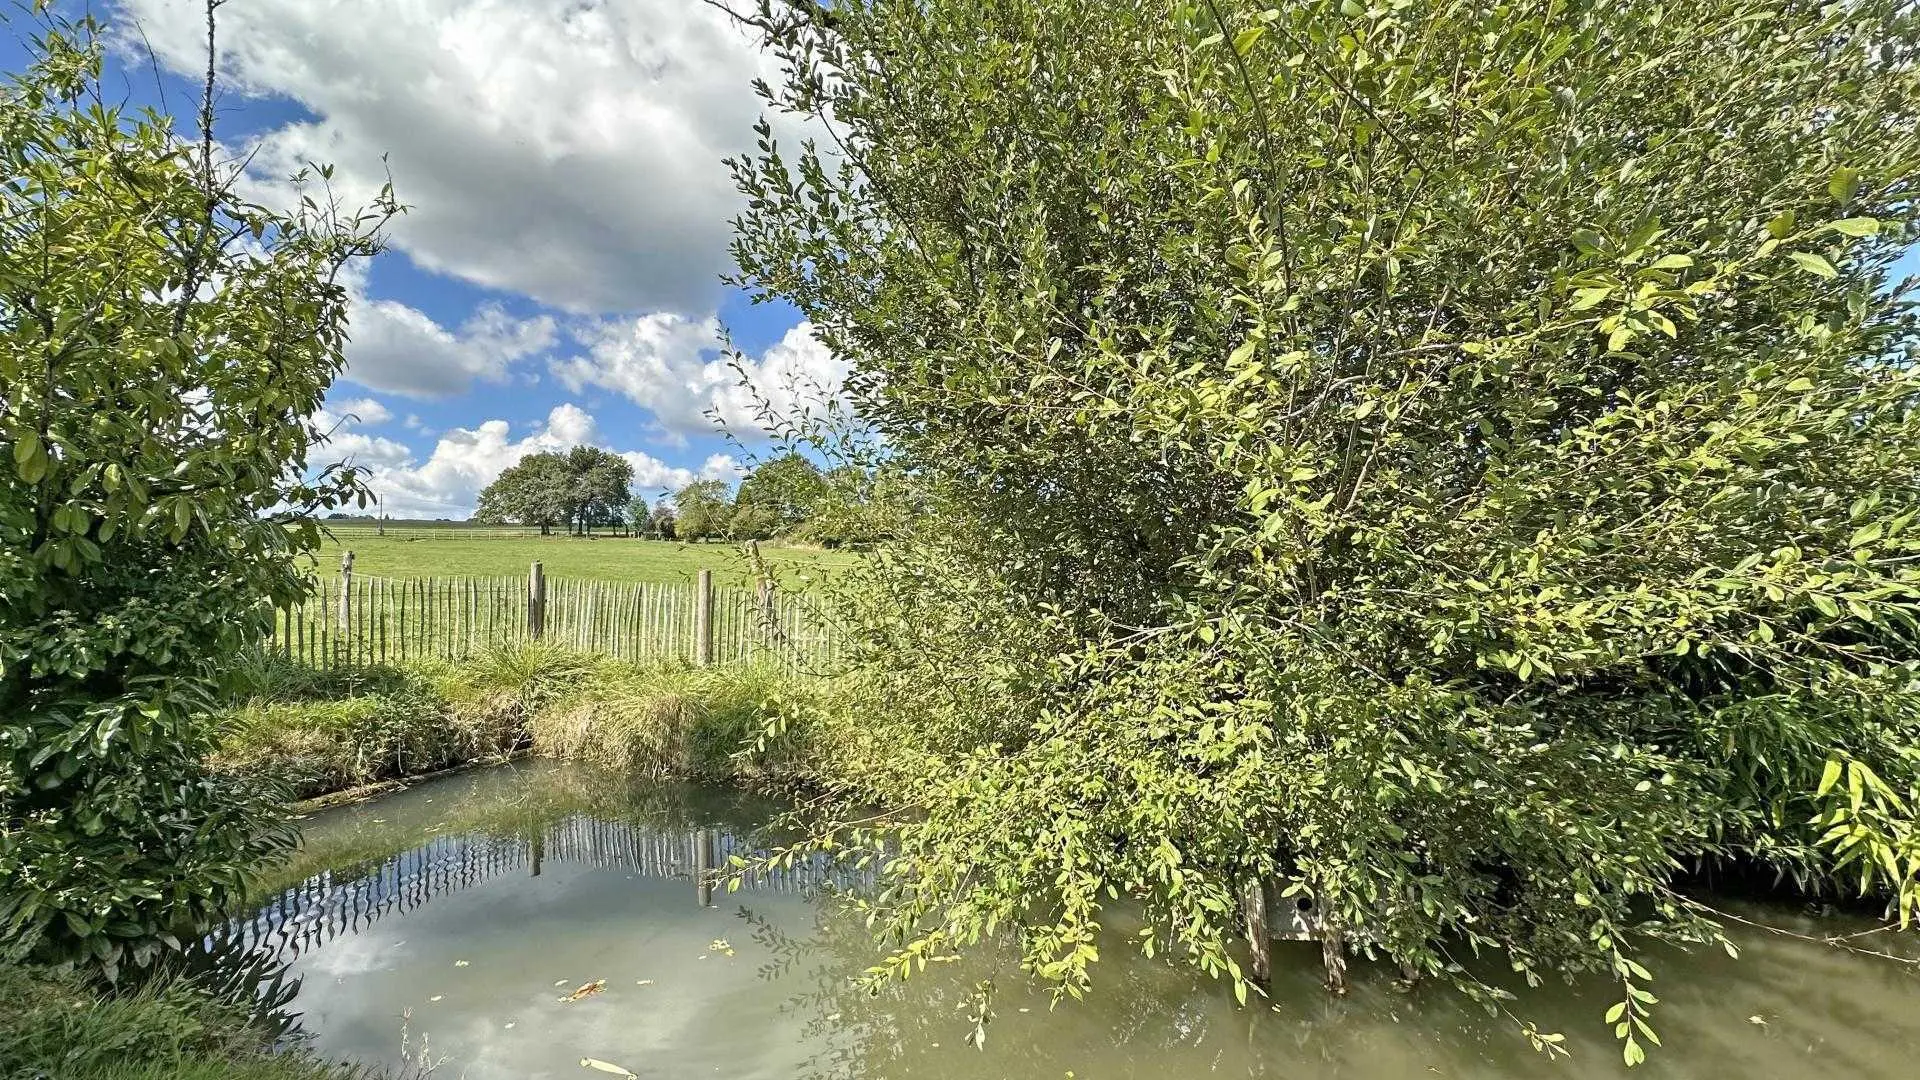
<point x="1452" y="462"/>
<point x="156" y="379"/>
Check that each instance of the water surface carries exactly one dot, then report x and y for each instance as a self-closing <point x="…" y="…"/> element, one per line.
<point x="447" y="923"/>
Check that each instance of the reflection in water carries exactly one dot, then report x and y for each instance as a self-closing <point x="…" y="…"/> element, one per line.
<point x="468" y="908"/>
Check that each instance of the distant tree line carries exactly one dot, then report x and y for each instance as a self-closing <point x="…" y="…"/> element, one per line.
<point x="587" y="488"/>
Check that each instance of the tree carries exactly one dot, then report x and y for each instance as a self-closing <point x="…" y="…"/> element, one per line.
<point x="702" y="509"/>
<point x="639" y="514"/>
<point x="661" y="522"/>
<point x="597" y="486"/>
<point x="780" y="495"/>
<point x="157" y="375"/>
<point x="1453" y="465"/>
<point x="536" y="490"/>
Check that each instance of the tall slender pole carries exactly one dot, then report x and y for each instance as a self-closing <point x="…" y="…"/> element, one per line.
<point x="536" y="602"/>
<point x="346" y="598"/>
<point x="703" y="620"/>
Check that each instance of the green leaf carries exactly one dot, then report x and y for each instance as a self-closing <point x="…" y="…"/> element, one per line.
<point x="1844" y="184"/>
<point x="1865" y="534"/>
<point x="1828" y="777"/>
<point x="1781" y="225"/>
<point x="1817" y="265"/>
<point x="1244" y="41"/>
<point x="1857" y="226"/>
<point x="1672" y="262"/>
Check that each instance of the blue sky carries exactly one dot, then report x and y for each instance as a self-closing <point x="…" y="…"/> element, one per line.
<point x="558" y="279"/>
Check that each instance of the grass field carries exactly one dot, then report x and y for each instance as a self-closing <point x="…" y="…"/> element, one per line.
<point x="454" y="553"/>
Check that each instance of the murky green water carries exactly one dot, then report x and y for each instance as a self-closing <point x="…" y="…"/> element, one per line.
<point x="447" y="924"/>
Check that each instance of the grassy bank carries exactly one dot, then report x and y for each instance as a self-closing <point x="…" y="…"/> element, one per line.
<point x="56" y="1028"/>
<point x="325" y="731"/>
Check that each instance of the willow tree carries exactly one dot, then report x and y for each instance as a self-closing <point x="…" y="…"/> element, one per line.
<point x="1450" y="464"/>
<point x="163" y="345"/>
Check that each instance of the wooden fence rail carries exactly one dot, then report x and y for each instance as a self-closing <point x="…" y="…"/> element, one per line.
<point x="355" y="619"/>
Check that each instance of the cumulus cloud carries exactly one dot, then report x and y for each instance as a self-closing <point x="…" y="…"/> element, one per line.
<point x="340" y="439"/>
<point x="570" y="150"/>
<point x="672" y="366"/>
<point x="399" y="349"/>
<point x="363" y="410"/>
<point x="466" y="460"/>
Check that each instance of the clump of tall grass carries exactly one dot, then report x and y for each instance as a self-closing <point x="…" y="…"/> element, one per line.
<point x="668" y="720"/>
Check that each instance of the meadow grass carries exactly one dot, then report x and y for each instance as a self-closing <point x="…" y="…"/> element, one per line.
<point x="450" y="552"/>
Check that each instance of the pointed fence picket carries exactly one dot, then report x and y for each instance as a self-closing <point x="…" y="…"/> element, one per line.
<point x="355" y="619"/>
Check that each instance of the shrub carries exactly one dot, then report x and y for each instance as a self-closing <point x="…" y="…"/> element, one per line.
<point x="1455" y="462"/>
<point x="156" y="380"/>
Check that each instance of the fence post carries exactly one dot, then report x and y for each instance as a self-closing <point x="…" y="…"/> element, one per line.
<point x="346" y="601"/>
<point x="703" y="620"/>
<point x="536" y="602"/>
<point x="769" y="628"/>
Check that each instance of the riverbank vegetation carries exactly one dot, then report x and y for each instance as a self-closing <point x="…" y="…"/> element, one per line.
<point x="57" y="1026"/>
<point x="317" y="732"/>
<point x="1448" y="465"/>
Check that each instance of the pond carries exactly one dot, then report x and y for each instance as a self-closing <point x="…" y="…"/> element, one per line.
<point x="458" y="922"/>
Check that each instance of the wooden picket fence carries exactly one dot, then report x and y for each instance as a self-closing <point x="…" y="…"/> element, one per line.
<point x="356" y="619"/>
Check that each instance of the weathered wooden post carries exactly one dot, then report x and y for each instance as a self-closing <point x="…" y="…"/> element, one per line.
<point x="703" y="620"/>
<point x="765" y="598"/>
<point x="536" y="602"/>
<point x="346" y="602"/>
<point x="1253" y="908"/>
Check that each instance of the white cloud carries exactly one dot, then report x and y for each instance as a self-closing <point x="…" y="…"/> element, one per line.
<point x="400" y="349"/>
<point x="566" y="149"/>
<point x="466" y="460"/>
<point x="340" y="440"/>
<point x="672" y="366"/>
<point x="363" y="410"/>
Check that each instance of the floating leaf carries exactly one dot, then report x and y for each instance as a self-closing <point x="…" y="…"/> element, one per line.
<point x="585" y="990"/>
<point x="608" y="1067"/>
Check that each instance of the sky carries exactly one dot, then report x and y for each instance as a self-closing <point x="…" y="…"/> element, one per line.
<point x="558" y="279"/>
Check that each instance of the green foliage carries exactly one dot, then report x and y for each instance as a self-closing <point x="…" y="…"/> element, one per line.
<point x="162" y="346"/>
<point x="1457" y="461"/>
<point x="55" y="1026"/>
<point x="702" y="509"/>
<point x="584" y="487"/>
